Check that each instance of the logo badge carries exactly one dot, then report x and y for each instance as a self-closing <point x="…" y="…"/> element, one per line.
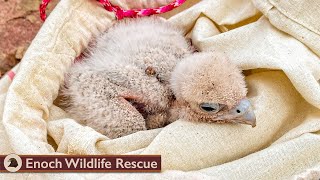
<point x="12" y="163"/>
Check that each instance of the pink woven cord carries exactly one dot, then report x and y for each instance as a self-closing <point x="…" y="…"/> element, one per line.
<point x="121" y="13"/>
<point x="42" y="9"/>
<point x="11" y="75"/>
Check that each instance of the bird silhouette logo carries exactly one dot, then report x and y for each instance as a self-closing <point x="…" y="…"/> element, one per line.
<point x="12" y="163"/>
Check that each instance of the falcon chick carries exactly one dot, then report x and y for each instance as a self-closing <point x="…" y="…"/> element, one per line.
<point x="209" y="88"/>
<point x="131" y="80"/>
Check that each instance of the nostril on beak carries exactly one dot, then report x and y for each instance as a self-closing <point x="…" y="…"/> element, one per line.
<point x="243" y="106"/>
<point x="244" y="113"/>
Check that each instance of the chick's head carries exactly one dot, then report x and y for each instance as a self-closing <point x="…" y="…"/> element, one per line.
<point x="210" y="88"/>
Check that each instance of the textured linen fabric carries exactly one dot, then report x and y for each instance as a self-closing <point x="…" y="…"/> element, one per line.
<point x="275" y="42"/>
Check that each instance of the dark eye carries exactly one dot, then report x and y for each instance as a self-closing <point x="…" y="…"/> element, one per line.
<point x="210" y="107"/>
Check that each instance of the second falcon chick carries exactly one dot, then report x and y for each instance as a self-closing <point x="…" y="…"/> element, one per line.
<point x="131" y="81"/>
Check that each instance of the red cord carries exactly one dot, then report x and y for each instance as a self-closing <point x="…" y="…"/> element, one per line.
<point x="121" y="13"/>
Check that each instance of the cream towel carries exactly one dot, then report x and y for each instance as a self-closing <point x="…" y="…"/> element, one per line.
<point x="285" y="94"/>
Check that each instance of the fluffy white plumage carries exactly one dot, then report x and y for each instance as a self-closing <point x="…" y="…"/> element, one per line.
<point x="126" y="82"/>
<point x="130" y="64"/>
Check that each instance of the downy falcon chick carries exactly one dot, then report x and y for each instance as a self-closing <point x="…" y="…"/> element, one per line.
<point x="142" y="74"/>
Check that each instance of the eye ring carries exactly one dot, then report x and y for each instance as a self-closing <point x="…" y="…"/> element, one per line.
<point x="210" y="107"/>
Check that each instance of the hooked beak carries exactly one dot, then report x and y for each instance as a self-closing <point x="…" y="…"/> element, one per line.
<point x="242" y="113"/>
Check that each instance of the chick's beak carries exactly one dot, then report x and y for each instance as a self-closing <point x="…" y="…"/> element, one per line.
<point x="243" y="113"/>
